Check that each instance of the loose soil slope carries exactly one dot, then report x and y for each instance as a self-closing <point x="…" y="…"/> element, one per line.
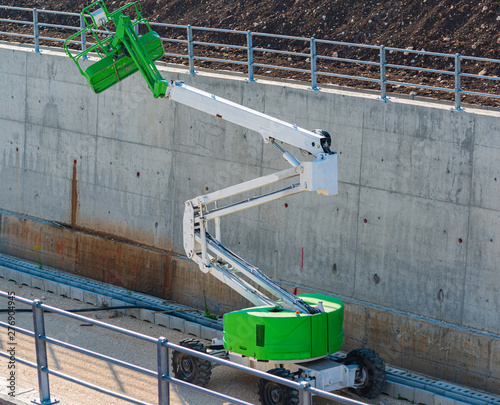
<point x="448" y="26"/>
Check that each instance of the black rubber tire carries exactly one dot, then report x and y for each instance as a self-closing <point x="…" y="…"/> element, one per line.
<point x="190" y="368"/>
<point x="271" y="393"/>
<point x="370" y="376"/>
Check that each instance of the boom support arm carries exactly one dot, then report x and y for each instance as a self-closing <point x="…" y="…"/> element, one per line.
<point x="319" y="175"/>
<point x="125" y="36"/>
<point x="212" y="257"/>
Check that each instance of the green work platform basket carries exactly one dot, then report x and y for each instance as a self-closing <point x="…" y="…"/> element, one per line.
<point x="110" y="70"/>
<point x="121" y="53"/>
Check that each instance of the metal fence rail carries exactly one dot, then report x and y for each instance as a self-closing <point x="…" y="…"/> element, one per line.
<point x="312" y="58"/>
<point x="163" y="361"/>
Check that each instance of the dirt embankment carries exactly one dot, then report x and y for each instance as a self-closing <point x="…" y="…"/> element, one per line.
<point x="444" y="26"/>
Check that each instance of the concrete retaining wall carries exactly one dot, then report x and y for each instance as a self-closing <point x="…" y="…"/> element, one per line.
<point x="415" y="228"/>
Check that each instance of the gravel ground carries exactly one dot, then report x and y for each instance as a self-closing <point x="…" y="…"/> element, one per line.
<point x="98" y="372"/>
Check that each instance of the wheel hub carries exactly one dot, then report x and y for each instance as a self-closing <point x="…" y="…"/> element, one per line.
<point x="187" y="366"/>
<point x="361" y="377"/>
<point x="276" y="395"/>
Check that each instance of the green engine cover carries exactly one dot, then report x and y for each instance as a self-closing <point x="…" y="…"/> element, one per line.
<point x="274" y="333"/>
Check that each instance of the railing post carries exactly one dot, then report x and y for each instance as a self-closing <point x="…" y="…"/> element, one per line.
<point x="305" y="397"/>
<point x="41" y="353"/>
<point x="83" y="36"/>
<point x="250" y="56"/>
<point x="36" y="33"/>
<point x="383" y="74"/>
<point x="136" y="29"/>
<point x="163" y="370"/>
<point x="190" y="49"/>
<point x="458" y="72"/>
<point x="314" y="78"/>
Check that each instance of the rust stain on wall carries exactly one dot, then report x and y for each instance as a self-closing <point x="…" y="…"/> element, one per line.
<point x="114" y="260"/>
<point x="74" y="196"/>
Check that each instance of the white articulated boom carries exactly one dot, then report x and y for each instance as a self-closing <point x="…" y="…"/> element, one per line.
<point x="318" y="175"/>
<point x="269" y="127"/>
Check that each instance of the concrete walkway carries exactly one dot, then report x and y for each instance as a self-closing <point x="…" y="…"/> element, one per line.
<point x="92" y="370"/>
<point x="98" y="372"/>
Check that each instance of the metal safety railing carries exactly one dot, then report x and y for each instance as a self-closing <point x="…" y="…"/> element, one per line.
<point x="312" y="58"/>
<point x="163" y="349"/>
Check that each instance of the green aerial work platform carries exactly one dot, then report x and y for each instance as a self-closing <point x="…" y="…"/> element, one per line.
<point x="301" y="333"/>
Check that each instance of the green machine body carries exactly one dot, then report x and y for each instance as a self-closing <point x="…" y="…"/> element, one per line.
<point x="275" y="333"/>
